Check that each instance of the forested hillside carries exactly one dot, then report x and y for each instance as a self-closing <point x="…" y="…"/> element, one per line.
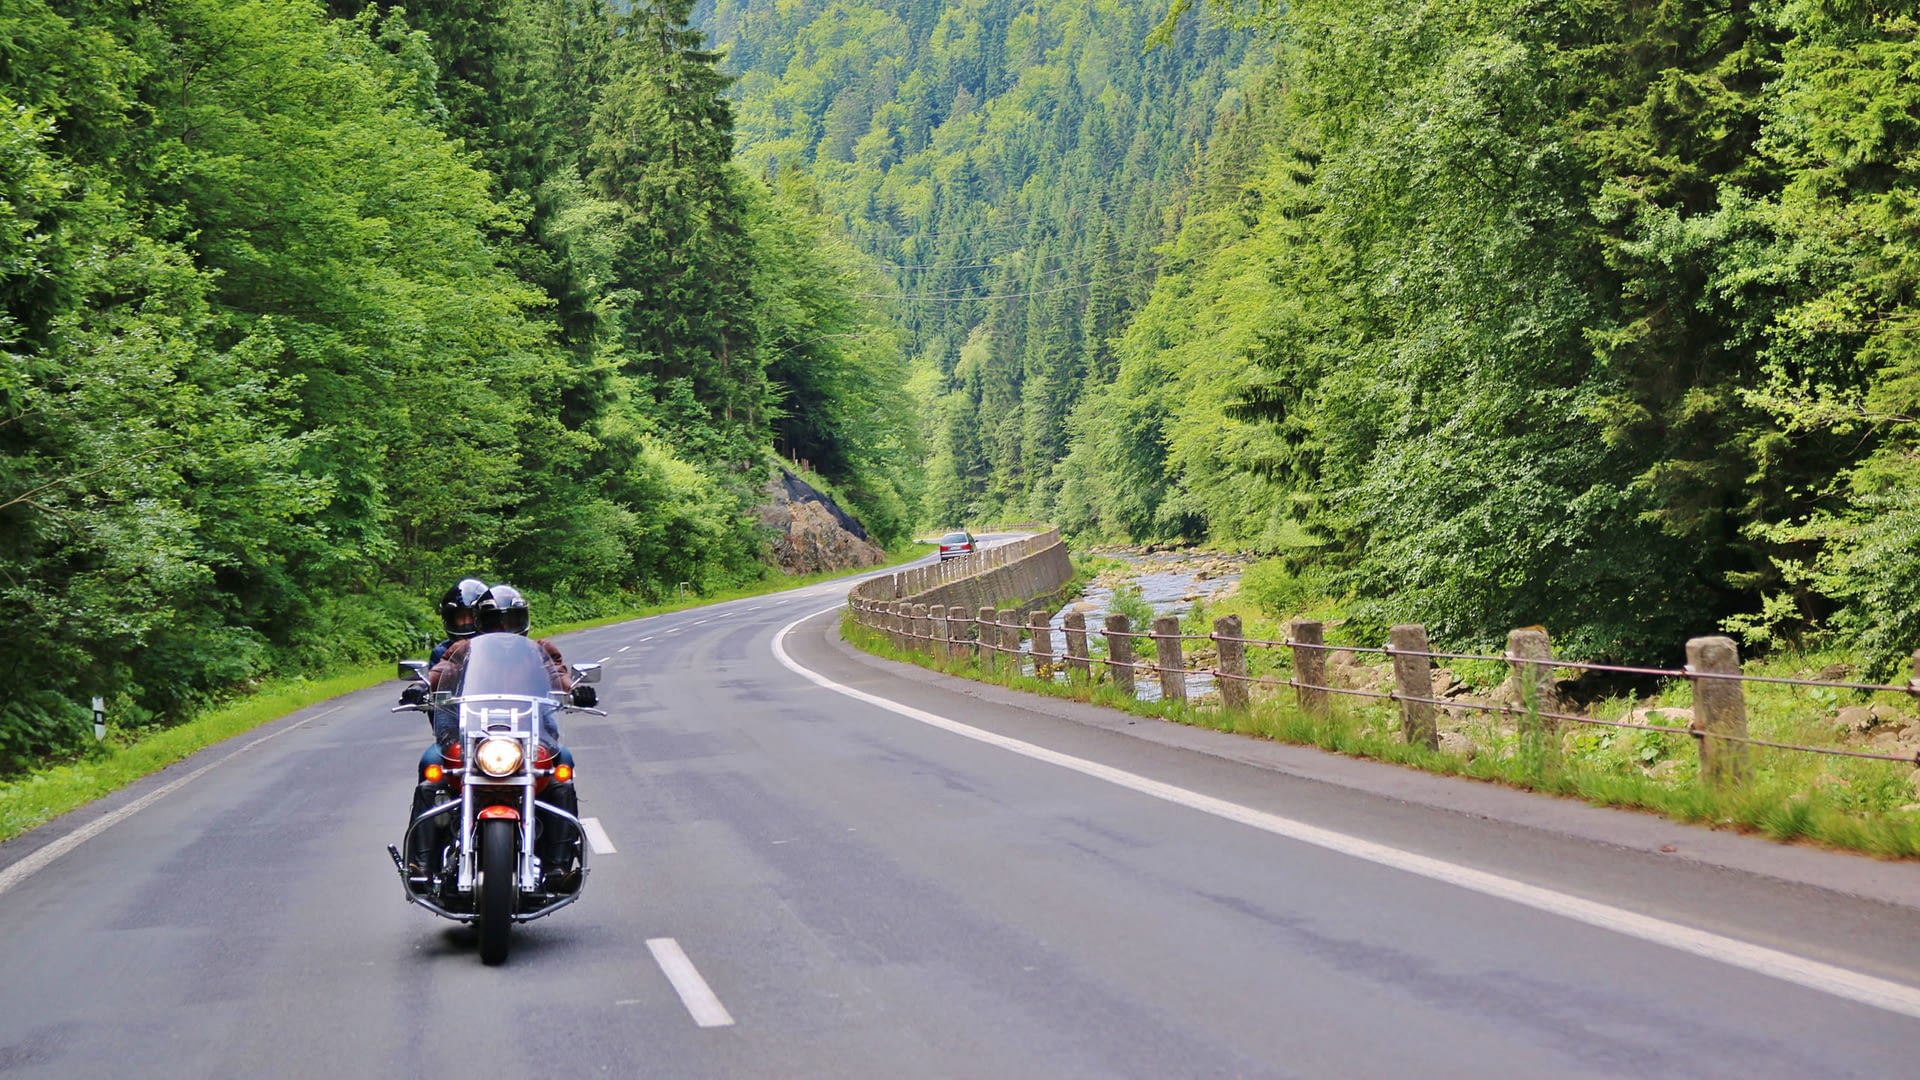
<point x="1591" y="315"/>
<point x="310" y="309"/>
<point x="1480" y="313"/>
<point x="1012" y="168"/>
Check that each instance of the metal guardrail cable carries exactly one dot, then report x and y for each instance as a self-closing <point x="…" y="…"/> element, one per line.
<point x="1515" y="710"/>
<point x="1910" y="688"/>
<point x="1617" y="669"/>
<point x="1776" y="680"/>
<point x="1252" y="641"/>
<point x="1320" y="646"/>
<point x="965" y="633"/>
<point x="1910" y="759"/>
<point x="1692" y="732"/>
<point x="1348" y="692"/>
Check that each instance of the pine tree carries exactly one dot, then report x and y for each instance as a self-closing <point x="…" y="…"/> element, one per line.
<point x="662" y="151"/>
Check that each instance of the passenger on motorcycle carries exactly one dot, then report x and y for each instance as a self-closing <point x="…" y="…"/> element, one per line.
<point x="502" y="609"/>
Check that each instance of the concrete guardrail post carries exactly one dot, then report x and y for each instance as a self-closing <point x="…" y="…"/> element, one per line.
<point x="1120" y="653"/>
<point x="1075" y="629"/>
<point x="1235" y="695"/>
<point x="1309" y="666"/>
<point x="1173" y="669"/>
<point x="1530" y="655"/>
<point x="1008" y="619"/>
<point x="922" y="629"/>
<point x="1719" y="708"/>
<point x="1041" y="629"/>
<point x="942" y="640"/>
<point x="989" y="642"/>
<point x="1413" y="685"/>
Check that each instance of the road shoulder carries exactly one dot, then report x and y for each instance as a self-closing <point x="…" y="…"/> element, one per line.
<point x="1847" y="874"/>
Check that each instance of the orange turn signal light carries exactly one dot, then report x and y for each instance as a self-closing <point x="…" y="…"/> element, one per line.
<point x="562" y="773"/>
<point x="434" y="773"/>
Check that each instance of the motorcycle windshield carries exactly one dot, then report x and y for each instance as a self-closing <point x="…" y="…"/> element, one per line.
<point x="504" y="664"/>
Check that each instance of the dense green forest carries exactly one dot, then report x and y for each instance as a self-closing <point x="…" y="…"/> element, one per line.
<point x="311" y="308"/>
<point x="1013" y="168"/>
<point x="1479" y="313"/>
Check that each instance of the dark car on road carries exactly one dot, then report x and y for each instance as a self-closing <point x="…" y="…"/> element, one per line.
<point x="955" y="544"/>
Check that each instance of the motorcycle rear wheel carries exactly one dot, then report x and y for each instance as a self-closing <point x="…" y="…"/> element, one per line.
<point x="499" y="839"/>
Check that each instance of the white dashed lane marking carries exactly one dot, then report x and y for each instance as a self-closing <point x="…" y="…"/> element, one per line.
<point x="597" y="838"/>
<point x="693" y="990"/>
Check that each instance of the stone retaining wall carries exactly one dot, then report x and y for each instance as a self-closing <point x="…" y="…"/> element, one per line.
<point x="1026" y="574"/>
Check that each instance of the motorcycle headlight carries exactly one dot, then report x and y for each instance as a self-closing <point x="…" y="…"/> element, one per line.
<point x="498" y="757"/>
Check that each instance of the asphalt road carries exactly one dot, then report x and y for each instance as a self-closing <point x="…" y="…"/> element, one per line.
<point x="966" y="883"/>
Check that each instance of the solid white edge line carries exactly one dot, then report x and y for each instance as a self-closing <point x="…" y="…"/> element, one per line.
<point x="34" y="863"/>
<point x="1826" y="978"/>
<point x="693" y="990"/>
<point x="597" y="837"/>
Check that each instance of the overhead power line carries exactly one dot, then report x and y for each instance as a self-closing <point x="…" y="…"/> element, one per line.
<point x="962" y="298"/>
<point x="1099" y="204"/>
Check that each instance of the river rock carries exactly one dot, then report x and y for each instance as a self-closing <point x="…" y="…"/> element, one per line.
<point x="1662" y="715"/>
<point x="1862" y="719"/>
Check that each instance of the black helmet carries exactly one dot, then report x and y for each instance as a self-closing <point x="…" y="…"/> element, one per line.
<point x="503" y="608"/>
<point x="456" y="607"/>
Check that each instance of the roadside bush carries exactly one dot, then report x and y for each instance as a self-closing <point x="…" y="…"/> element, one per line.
<point x="340" y="630"/>
<point x="1128" y="600"/>
<point x="1279" y="590"/>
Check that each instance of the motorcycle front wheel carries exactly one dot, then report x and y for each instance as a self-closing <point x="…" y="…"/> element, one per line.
<point x="499" y="839"/>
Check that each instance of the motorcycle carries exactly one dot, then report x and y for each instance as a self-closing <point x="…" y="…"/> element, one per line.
<point x="484" y="827"/>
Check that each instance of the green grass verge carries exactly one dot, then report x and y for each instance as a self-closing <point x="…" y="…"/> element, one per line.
<point x="1860" y="806"/>
<point x="44" y="794"/>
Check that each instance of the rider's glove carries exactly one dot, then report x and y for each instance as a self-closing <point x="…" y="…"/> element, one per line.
<point x="584" y="696"/>
<point x="414" y="695"/>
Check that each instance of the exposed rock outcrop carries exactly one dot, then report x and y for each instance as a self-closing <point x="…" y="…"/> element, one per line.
<point x="811" y="533"/>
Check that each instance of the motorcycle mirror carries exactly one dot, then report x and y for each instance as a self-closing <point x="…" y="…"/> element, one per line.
<point x="413" y="669"/>
<point x="587" y="672"/>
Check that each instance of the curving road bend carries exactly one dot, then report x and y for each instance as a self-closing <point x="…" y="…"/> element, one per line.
<point x="935" y="879"/>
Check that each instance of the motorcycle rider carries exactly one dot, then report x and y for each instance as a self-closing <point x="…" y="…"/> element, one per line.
<point x="503" y="609"/>
<point x="461" y="621"/>
<point x="461" y="618"/>
<point x="457" y="614"/>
